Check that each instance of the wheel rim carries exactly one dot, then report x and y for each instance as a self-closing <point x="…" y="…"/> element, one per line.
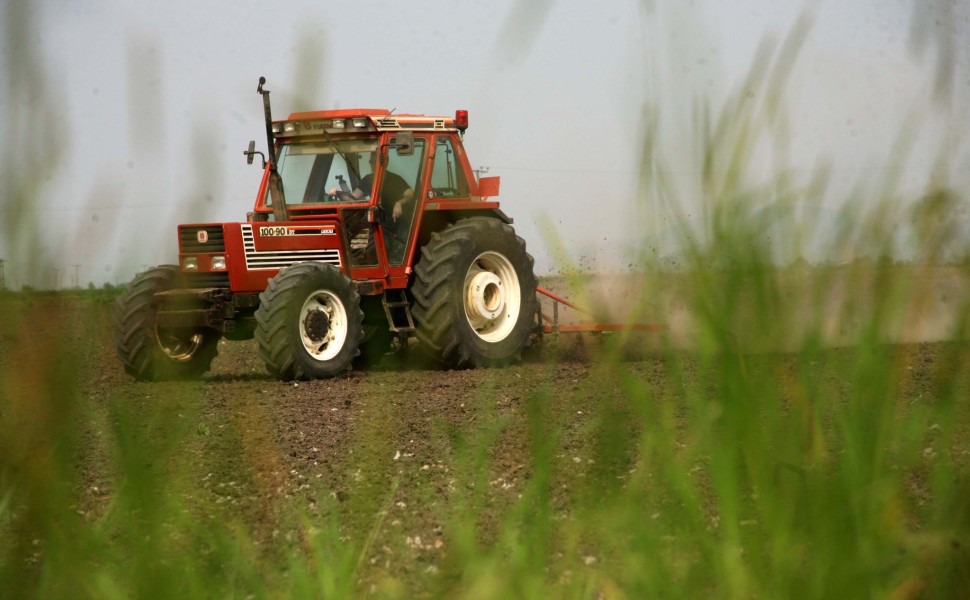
<point x="492" y="296"/>
<point x="180" y="348"/>
<point x="323" y="325"/>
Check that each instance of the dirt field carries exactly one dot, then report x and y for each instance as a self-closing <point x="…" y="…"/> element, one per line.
<point x="379" y="444"/>
<point x="381" y="452"/>
<point x="389" y="422"/>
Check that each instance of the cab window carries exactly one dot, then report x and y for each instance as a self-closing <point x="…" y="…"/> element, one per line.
<point x="447" y="178"/>
<point x="312" y="172"/>
<point x="400" y="184"/>
<point x="397" y="201"/>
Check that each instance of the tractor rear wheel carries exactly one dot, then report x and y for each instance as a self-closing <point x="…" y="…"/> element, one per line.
<point x="309" y="322"/>
<point x="149" y="353"/>
<point x="474" y="294"/>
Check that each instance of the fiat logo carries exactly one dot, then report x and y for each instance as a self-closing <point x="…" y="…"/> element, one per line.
<point x="202" y="236"/>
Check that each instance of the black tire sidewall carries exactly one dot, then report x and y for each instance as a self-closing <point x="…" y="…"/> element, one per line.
<point x="474" y="237"/>
<point x="313" y="278"/>
<point x="138" y="346"/>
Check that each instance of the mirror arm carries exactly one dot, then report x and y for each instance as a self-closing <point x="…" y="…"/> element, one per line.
<point x="249" y="155"/>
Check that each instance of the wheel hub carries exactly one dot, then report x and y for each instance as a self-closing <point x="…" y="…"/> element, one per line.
<point x="486" y="296"/>
<point x="317" y="325"/>
<point x="178" y="347"/>
<point x="323" y="325"/>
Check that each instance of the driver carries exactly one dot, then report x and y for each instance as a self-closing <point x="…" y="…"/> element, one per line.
<point x="396" y="194"/>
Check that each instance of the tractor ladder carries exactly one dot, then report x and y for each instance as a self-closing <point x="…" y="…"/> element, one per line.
<point x="398" y="311"/>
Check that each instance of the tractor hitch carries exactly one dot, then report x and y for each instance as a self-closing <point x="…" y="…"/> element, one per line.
<point x="547" y="324"/>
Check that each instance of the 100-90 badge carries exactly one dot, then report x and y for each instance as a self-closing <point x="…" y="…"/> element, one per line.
<point x="273" y="231"/>
<point x="280" y="231"/>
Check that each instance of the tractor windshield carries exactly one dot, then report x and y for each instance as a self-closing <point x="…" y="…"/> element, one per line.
<point x="324" y="172"/>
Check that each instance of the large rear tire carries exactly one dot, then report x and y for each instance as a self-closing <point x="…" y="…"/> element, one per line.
<point x="474" y="294"/>
<point x="309" y="322"/>
<point x="152" y="354"/>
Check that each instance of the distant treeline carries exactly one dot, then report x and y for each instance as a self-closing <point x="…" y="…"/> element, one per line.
<point x="106" y="291"/>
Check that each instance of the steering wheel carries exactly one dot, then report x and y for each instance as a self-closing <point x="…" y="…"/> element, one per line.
<point x="344" y="196"/>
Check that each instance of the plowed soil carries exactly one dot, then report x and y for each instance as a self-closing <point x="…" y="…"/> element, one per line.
<point x="377" y="452"/>
<point x="390" y="443"/>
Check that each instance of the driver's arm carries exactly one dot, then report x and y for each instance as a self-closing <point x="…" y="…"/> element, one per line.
<point x="406" y="198"/>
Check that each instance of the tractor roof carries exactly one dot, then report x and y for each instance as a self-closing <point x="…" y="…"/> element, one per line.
<point x="349" y="120"/>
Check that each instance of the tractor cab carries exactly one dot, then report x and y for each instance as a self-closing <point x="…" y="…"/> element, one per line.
<point x="376" y="174"/>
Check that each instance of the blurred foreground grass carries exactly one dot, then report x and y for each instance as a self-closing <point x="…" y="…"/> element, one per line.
<point x="730" y="470"/>
<point x="817" y="473"/>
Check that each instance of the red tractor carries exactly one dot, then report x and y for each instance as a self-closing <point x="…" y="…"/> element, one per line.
<point x="369" y="229"/>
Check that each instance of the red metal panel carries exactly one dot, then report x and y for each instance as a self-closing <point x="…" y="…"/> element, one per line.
<point x="460" y="205"/>
<point x="488" y="186"/>
<point x="250" y="273"/>
<point x="321" y="236"/>
<point x="235" y="259"/>
<point x="338" y="114"/>
<point x="260" y="206"/>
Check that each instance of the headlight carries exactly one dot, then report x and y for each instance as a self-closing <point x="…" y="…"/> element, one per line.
<point x="338" y="124"/>
<point x="359" y="122"/>
<point x="190" y="263"/>
<point x="218" y="263"/>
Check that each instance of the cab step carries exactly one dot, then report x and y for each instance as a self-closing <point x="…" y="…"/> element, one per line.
<point x="397" y="307"/>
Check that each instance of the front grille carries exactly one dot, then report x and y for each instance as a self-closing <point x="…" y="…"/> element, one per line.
<point x="277" y="259"/>
<point x="189" y="239"/>
<point x="206" y="280"/>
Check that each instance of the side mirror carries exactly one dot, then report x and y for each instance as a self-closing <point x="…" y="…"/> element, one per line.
<point x="251" y="152"/>
<point x="404" y="142"/>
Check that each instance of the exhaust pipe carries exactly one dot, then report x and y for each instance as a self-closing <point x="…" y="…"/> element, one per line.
<point x="275" y="183"/>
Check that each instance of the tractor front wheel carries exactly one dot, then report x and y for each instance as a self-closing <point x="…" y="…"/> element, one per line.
<point x="474" y="294"/>
<point x="150" y="353"/>
<point x="309" y="322"/>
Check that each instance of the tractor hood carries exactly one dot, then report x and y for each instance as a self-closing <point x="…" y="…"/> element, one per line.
<point x="243" y="256"/>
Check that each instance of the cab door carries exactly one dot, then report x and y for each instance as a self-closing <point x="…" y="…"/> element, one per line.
<point x="402" y="180"/>
<point x="400" y="196"/>
<point x="438" y="168"/>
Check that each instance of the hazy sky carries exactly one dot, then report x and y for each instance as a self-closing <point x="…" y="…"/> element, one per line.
<point x="146" y="107"/>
